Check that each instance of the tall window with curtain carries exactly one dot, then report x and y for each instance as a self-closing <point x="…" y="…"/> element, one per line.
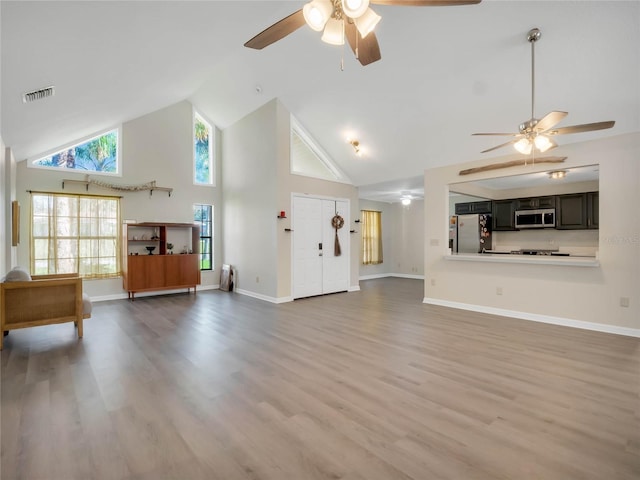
<point x="75" y="234"/>
<point x="371" y="222"/>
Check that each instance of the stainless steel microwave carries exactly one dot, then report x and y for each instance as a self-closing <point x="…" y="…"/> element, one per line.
<point x="543" y="218"/>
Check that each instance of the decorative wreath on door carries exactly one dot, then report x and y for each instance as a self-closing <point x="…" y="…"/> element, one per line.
<point x="337" y="222"/>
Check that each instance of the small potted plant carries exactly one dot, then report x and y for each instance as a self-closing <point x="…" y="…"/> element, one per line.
<point x="170" y="248"/>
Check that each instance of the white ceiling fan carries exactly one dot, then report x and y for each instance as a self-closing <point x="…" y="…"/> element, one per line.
<point x="535" y="135"/>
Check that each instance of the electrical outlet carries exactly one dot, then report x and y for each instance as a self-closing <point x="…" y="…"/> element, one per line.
<point x="433" y="282"/>
<point x="498" y="290"/>
<point x="624" y="301"/>
<point x="257" y="279"/>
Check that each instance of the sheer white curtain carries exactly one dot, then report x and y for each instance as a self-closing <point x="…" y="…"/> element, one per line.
<point x="75" y="234"/>
<point x="371" y="222"/>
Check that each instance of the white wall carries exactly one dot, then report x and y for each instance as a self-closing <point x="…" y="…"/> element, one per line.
<point x="257" y="185"/>
<point x="4" y="198"/>
<point x="5" y="224"/>
<point x="408" y="239"/>
<point x="574" y="293"/>
<point x="249" y="183"/>
<point x="8" y="182"/>
<point x="157" y="146"/>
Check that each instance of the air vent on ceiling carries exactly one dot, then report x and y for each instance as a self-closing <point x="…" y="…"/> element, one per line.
<point x="39" y="94"/>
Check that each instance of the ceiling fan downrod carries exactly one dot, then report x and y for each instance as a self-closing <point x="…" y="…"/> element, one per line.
<point x="533" y="36"/>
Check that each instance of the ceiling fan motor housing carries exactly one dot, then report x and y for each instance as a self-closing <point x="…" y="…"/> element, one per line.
<point x="529" y="126"/>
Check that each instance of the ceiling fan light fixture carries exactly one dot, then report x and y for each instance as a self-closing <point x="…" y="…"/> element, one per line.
<point x="367" y="22"/>
<point x="333" y="32"/>
<point x="542" y="143"/>
<point x="406" y="201"/>
<point x="524" y="146"/>
<point x="354" y="8"/>
<point x="317" y="13"/>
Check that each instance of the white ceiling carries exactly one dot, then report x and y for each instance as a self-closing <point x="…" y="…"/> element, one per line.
<point x="445" y="73"/>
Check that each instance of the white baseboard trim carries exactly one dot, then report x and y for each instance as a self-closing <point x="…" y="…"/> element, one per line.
<point x="386" y="275"/>
<point x="374" y="276"/>
<point x="535" y="317"/>
<point x="266" y="298"/>
<point x="124" y="295"/>
<point x="406" y="275"/>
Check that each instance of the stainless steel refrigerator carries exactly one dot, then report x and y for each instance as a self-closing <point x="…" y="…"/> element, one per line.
<point x="470" y="233"/>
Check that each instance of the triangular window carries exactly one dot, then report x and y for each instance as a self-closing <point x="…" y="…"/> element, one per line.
<point x="309" y="159"/>
<point x="98" y="155"/>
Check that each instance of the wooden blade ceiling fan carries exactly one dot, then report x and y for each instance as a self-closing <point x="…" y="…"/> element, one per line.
<point x="338" y="19"/>
<point x="535" y="134"/>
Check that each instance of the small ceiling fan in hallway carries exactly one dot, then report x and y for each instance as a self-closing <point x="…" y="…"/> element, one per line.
<point x="535" y="135"/>
<point x="338" y="19"/>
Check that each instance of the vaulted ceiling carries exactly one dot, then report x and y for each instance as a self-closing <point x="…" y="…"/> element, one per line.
<point x="445" y="73"/>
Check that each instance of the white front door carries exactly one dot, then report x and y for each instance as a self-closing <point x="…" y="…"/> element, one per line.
<point x="316" y="268"/>
<point x="335" y="269"/>
<point x="307" y="252"/>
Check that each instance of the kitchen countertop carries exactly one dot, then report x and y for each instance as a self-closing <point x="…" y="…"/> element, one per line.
<point x="571" y="261"/>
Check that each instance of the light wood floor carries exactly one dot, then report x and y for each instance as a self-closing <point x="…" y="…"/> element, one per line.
<point x="360" y="386"/>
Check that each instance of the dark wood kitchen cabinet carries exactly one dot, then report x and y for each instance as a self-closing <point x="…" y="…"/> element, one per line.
<point x="571" y="211"/>
<point x="535" y="203"/>
<point x="593" y="210"/>
<point x="503" y="215"/>
<point x="473" y="207"/>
